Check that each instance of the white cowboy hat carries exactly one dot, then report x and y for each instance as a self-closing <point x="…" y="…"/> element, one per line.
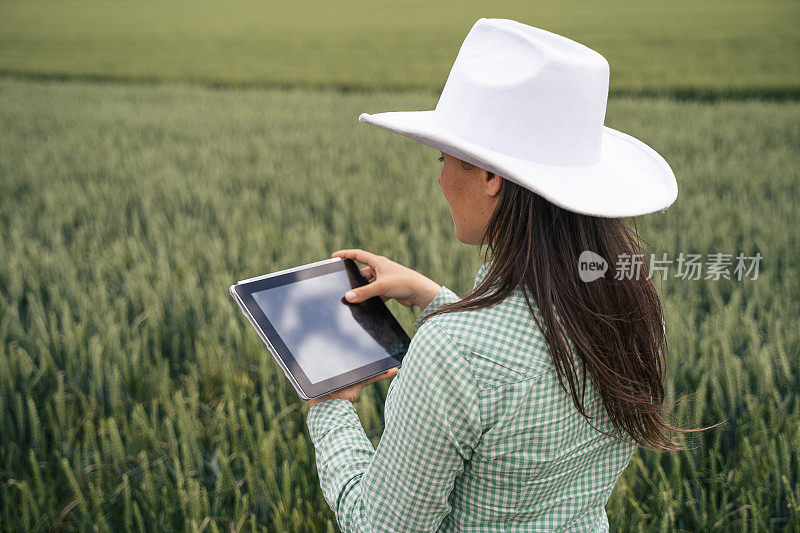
<point x="529" y="106"/>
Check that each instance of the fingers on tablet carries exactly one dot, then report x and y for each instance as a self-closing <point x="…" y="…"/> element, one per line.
<point x="358" y="254"/>
<point x="365" y="292"/>
<point x="392" y="372"/>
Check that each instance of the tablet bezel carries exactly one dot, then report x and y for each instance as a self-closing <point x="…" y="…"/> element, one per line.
<point x="243" y="294"/>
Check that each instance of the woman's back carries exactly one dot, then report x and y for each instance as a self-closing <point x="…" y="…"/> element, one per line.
<point x="479" y="433"/>
<point x="538" y="464"/>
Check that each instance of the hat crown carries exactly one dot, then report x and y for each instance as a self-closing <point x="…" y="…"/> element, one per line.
<point x="528" y="93"/>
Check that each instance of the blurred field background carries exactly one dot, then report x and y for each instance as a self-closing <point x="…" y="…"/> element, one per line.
<point x="134" y="395"/>
<point x="682" y="47"/>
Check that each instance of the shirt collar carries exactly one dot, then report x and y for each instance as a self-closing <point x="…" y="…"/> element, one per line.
<point x="481" y="273"/>
<point x="483" y="270"/>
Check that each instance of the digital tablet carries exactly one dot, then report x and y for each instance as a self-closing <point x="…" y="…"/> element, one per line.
<point x="321" y="341"/>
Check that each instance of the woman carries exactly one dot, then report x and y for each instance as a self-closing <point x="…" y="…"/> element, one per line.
<point x="519" y="406"/>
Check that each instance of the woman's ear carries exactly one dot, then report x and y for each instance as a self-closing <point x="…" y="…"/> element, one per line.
<point x="492" y="183"/>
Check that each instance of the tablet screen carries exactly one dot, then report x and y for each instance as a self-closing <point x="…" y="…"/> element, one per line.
<point x="327" y="335"/>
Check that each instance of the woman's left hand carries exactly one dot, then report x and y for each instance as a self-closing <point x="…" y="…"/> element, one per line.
<point x="351" y="392"/>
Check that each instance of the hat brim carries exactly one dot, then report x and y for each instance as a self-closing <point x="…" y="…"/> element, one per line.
<point x="629" y="179"/>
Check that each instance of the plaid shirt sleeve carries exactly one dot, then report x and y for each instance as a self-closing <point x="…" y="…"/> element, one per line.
<point x="432" y="425"/>
<point x="445" y="296"/>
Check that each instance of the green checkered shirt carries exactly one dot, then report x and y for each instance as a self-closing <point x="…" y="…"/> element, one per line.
<point x="479" y="436"/>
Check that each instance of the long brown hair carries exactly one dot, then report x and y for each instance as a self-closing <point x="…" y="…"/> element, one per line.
<point x="615" y="325"/>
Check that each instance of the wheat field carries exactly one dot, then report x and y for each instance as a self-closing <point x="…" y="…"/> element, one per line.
<point x="133" y="394"/>
<point x="689" y="49"/>
<point x="154" y="152"/>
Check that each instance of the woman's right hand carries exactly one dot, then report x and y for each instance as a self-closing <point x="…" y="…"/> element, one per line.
<point x="389" y="280"/>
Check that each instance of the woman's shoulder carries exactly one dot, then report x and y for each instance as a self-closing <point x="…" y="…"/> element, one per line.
<point x="502" y="343"/>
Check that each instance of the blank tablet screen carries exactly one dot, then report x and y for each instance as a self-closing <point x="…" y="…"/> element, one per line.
<point x="327" y="335"/>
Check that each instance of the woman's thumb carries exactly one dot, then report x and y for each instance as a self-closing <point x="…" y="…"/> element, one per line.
<point x="362" y="293"/>
<point x="355" y="295"/>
